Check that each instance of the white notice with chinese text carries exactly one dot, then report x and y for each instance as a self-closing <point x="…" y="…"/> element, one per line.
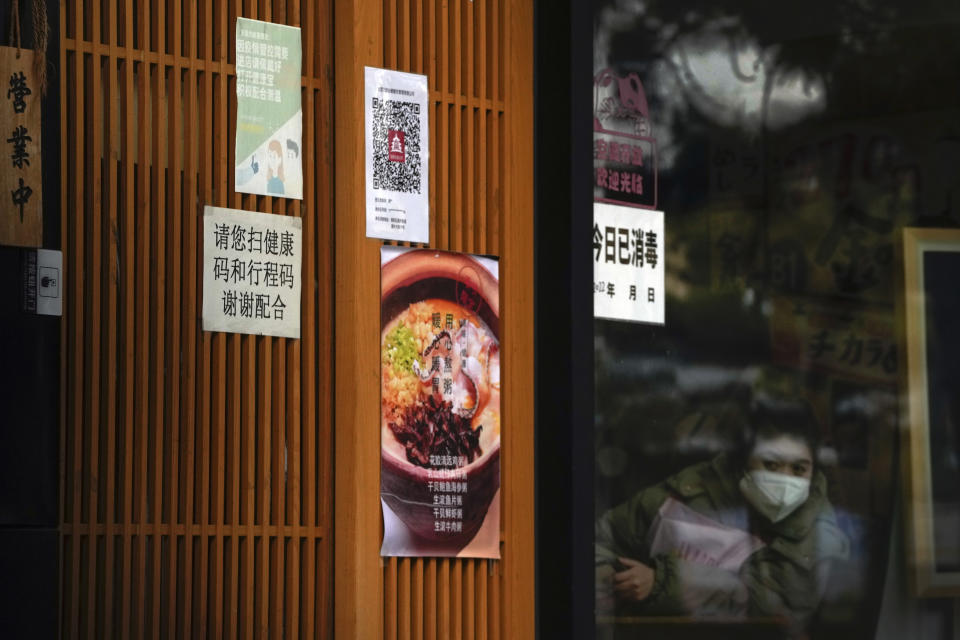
<point x="251" y="272"/>
<point x="397" y="155"/>
<point x="628" y="264"/>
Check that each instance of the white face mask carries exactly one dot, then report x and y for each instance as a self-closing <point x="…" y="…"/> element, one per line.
<point x="775" y="495"/>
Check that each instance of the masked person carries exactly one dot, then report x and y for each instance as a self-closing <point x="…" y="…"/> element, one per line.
<point x="749" y="533"/>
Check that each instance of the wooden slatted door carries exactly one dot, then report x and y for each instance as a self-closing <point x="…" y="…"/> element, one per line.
<point x="196" y="466"/>
<point x="478" y="59"/>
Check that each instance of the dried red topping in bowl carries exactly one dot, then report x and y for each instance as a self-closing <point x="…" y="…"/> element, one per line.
<point x="434" y="429"/>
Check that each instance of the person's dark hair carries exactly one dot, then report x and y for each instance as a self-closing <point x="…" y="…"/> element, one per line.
<point x="772" y="417"/>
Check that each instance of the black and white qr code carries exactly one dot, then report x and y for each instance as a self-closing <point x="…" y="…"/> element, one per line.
<point x="396" y="146"/>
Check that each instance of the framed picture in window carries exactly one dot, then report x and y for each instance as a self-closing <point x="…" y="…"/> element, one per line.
<point x="929" y="309"/>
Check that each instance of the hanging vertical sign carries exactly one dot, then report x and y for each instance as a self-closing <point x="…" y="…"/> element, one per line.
<point x="269" y="115"/>
<point x="440" y="404"/>
<point x="21" y="185"/>
<point x="251" y="272"/>
<point x="628" y="264"/>
<point x="397" y="155"/>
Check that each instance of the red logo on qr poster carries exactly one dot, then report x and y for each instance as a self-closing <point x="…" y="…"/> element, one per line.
<point x="396" y="147"/>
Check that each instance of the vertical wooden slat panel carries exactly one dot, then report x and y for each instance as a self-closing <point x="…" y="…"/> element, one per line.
<point x="496" y="190"/>
<point x="142" y="302"/>
<point x="248" y="391"/>
<point x="418" y="50"/>
<point x="310" y="514"/>
<point x="429" y="42"/>
<point x="482" y="615"/>
<point x="437" y="43"/>
<point x="128" y="336"/>
<point x="443" y="599"/>
<point x="273" y="591"/>
<point x="224" y="561"/>
<point x="158" y="428"/>
<point x="403" y="35"/>
<point x="174" y="346"/>
<point x="301" y="392"/>
<point x="207" y="490"/>
<point x="430" y="599"/>
<point x="263" y="489"/>
<point x="461" y="50"/>
<point x="208" y="479"/>
<point x="190" y="230"/>
<point x="460" y="181"/>
<point x="65" y="393"/>
<point x="110" y="233"/>
<point x="517" y="489"/>
<point x="456" y="212"/>
<point x="218" y="564"/>
<point x="469" y="182"/>
<point x="308" y="501"/>
<point x="404" y="600"/>
<point x="456" y="50"/>
<point x="290" y="515"/>
<point x="468" y="602"/>
<point x="74" y="262"/>
<point x="443" y="130"/>
<point x="456" y="599"/>
<point x="190" y="425"/>
<point x="238" y="360"/>
<point x="496" y="72"/>
<point x="390" y="608"/>
<point x="480" y="228"/>
<point x="390" y="33"/>
<point x="183" y="467"/>
<point x="494" y="600"/>
<point x="497" y="35"/>
<point x="470" y="99"/>
<point x="92" y="391"/>
<point x="231" y="491"/>
<point x="358" y="578"/>
<point x="438" y="170"/>
<point x="417" y="595"/>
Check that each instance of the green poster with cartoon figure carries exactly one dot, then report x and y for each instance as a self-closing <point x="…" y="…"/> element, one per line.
<point x="269" y="115"/>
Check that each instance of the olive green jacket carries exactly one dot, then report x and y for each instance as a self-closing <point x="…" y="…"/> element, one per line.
<point x="785" y="578"/>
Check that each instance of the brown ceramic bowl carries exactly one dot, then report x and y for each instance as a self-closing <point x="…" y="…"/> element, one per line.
<point x="422" y="275"/>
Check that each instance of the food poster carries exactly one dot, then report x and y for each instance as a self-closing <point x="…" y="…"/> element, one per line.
<point x="269" y="116"/>
<point x="397" y="145"/>
<point x="439" y="404"/>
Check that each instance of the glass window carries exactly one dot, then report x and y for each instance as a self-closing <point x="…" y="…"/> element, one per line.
<point x="747" y="471"/>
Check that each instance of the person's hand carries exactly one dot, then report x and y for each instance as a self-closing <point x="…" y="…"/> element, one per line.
<point x="634" y="582"/>
<point x="605" y="601"/>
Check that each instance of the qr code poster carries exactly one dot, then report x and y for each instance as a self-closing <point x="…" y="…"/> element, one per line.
<point x="628" y="264"/>
<point x="397" y="155"/>
<point x="251" y="272"/>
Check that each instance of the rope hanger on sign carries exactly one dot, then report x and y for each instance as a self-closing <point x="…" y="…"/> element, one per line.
<point x="41" y="36"/>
